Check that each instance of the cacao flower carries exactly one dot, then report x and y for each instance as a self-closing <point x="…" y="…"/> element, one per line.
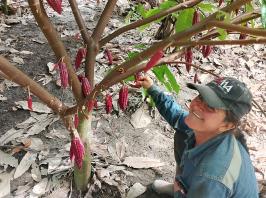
<point x="76" y="120"/>
<point x="196" y="17"/>
<point x="109" y="56"/>
<point x="188" y="58"/>
<point x="63" y="73"/>
<point x="79" y="57"/>
<point x="108" y="103"/>
<point x="86" y="87"/>
<point x="30" y="102"/>
<point x="123" y="97"/>
<point x="154" y="60"/>
<point x="220" y="3"/>
<point x="77" y="150"/>
<point x="242" y="36"/>
<point x="56" y="5"/>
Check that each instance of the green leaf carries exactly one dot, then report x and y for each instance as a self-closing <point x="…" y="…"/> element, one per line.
<point x="249" y="7"/>
<point x="166" y="77"/>
<point x="141" y="10"/>
<point x="223" y="16"/>
<point x="128" y="79"/>
<point x="223" y="34"/>
<point x="140" y="46"/>
<point x="171" y="78"/>
<point x="184" y="20"/>
<point x="206" y="7"/>
<point x="167" y="4"/>
<point x="132" y="54"/>
<point x="263" y="15"/>
<point x="152" y="12"/>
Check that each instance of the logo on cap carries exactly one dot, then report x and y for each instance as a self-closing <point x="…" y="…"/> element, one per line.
<point x="224" y="84"/>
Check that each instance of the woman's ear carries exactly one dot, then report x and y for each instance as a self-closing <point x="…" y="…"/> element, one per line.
<point x="226" y="126"/>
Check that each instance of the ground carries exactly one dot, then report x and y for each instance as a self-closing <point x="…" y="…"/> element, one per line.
<point x="114" y="137"/>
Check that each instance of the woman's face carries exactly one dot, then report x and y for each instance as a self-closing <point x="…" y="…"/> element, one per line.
<point x="205" y="119"/>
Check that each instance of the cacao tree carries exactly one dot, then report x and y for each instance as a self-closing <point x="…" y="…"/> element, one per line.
<point x="197" y="25"/>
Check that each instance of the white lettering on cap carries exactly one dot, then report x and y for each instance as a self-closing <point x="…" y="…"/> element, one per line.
<point x="225" y="86"/>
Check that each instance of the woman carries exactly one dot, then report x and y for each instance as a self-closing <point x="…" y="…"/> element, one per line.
<point x="211" y="162"/>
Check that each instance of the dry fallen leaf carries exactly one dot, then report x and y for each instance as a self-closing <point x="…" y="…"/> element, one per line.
<point x="25" y="164"/>
<point x="142" y="162"/>
<point x="5" y="183"/>
<point x="136" y="190"/>
<point x="7" y="159"/>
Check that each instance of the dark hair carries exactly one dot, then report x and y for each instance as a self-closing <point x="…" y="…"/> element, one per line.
<point x="230" y="117"/>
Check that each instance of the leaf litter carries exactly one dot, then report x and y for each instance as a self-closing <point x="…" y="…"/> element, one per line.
<point x="120" y="145"/>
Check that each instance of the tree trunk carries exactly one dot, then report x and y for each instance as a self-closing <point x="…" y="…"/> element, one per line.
<point x="82" y="176"/>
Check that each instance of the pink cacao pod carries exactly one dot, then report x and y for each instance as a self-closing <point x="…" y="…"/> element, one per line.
<point x="76" y="120"/>
<point x="79" y="57"/>
<point x="208" y="50"/>
<point x="56" y="5"/>
<point x="108" y="103"/>
<point x="188" y="58"/>
<point x="123" y="97"/>
<point x="90" y="105"/>
<point x="86" y="87"/>
<point x="109" y="56"/>
<point x="63" y="74"/>
<point x="29" y="103"/>
<point x="196" y="17"/>
<point x="154" y="60"/>
<point x="77" y="150"/>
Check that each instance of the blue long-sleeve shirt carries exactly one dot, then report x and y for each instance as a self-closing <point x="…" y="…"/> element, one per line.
<point x="220" y="167"/>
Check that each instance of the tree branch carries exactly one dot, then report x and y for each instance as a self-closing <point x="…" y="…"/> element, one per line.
<point x="193" y="65"/>
<point x="104" y="19"/>
<point x="17" y="76"/>
<point x="238" y="28"/>
<point x="81" y="24"/>
<point x="150" y="19"/>
<point x="225" y="42"/>
<point x="56" y="44"/>
<point x="90" y="43"/>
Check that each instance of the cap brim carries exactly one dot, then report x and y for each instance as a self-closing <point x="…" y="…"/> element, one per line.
<point x="209" y="96"/>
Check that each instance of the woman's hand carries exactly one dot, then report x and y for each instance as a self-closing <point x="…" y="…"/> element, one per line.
<point x="145" y="81"/>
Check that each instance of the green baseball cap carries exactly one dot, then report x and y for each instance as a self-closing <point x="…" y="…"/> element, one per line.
<point x="226" y="93"/>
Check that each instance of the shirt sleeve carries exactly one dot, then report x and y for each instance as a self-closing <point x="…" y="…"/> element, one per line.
<point x="168" y="108"/>
<point x="206" y="188"/>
